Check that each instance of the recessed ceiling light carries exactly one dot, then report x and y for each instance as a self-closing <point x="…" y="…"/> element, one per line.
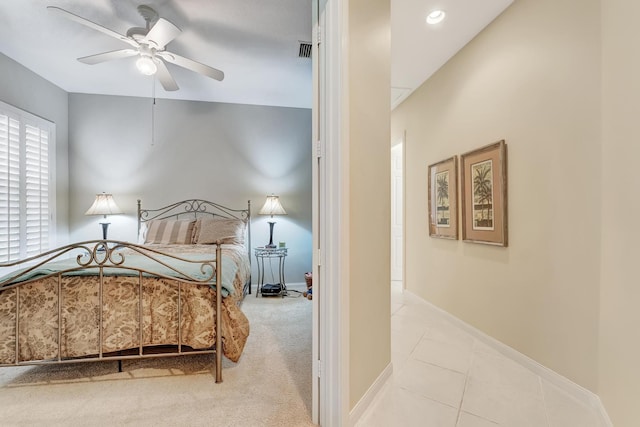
<point x="435" y="17"/>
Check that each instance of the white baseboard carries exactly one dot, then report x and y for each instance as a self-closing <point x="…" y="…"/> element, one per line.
<point x="583" y="395"/>
<point x="366" y="400"/>
<point x="604" y="417"/>
<point x="297" y="285"/>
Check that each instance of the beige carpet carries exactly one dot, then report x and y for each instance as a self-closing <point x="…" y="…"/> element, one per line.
<point x="269" y="386"/>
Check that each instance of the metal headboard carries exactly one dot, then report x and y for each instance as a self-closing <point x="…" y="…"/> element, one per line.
<point x="195" y="208"/>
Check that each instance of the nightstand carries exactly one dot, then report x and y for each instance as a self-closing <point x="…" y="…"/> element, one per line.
<point x="269" y="254"/>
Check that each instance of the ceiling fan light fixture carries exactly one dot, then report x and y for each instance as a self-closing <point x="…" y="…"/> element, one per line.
<point x="435" y="17"/>
<point x="146" y="66"/>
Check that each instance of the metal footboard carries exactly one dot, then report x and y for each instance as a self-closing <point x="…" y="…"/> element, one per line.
<point x="97" y="256"/>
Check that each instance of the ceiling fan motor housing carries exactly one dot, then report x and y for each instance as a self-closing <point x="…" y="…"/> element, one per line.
<point x="137" y="33"/>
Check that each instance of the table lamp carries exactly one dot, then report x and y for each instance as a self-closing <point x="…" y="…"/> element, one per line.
<point x="104" y="205"/>
<point x="272" y="207"/>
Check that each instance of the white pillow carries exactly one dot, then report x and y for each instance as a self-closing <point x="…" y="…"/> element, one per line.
<point x="211" y="230"/>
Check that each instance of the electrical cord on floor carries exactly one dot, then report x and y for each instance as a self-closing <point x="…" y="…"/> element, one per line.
<point x="286" y="293"/>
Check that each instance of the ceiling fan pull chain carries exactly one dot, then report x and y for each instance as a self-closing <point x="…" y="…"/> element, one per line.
<point x="153" y="108"/>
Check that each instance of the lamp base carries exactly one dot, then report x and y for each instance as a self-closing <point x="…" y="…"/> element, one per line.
<point x="105" y="226"/>
<point x="270" y="245"/>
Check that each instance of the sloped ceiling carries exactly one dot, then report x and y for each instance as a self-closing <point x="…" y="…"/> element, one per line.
<point x="418" y="49"/>
<point x="255" y="46"/>
<point x="254" y="42"/>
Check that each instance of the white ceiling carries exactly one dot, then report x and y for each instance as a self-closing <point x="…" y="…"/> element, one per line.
<point x="254" y="42"/>
<point x="418" y="49"/>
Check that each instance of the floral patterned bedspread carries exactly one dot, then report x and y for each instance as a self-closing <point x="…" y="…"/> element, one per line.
<point x="79" y="312"/>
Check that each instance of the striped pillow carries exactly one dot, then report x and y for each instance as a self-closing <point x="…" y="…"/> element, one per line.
<point x="170" y="231"/>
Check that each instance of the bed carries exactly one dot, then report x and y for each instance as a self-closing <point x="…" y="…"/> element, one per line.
<point x="166" y="295"/>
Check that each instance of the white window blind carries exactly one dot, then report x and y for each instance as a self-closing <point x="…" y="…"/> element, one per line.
<point x="26" y="217"/>
<point x="9" y="189"/>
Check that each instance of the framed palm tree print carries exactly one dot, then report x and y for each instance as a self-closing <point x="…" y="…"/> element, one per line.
<point x="443" y="199"/>
<point x="483" y="176"/>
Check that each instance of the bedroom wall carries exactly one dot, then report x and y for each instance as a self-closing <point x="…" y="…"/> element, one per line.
<point x="619" y="371"/>
<point x="532" y="78"/>
<point x="368" y="193"/>
<point x="227" y="153"/>
<point x="24" y="89"/>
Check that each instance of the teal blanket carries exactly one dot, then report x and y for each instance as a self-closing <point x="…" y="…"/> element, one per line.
<point x="135" y="261"/>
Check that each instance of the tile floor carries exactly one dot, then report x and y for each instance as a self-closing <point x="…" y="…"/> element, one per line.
<point x="444" y="377"/>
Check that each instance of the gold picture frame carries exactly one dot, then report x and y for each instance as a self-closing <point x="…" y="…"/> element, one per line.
<point x="483" y="180"/>
<point x="443" y="199"/>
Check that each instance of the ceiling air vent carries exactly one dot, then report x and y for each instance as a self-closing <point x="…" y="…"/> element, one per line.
<point x="305" y="50"/>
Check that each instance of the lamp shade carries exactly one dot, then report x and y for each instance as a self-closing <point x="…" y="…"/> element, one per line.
<point x="103" y="205"/>
<point x="272" y="207"/>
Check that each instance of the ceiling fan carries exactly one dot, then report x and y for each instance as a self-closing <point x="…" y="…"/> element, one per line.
<point x="148" y="44"/>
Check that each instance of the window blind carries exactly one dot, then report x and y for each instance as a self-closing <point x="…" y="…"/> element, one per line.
<point x="9" y="188"/>
<point x="36" y="190"/>
<point x="25" y="184"/>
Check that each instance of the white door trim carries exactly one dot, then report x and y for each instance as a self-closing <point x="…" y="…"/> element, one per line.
<point x="397" y="211"/>
<point x="331" y="259"/>
<point x="317" y="165"/>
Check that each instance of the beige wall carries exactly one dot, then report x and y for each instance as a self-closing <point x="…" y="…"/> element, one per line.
<point x="369" y="189"/>
<point x="619" y="386"/>
<point x="531" y="78"/>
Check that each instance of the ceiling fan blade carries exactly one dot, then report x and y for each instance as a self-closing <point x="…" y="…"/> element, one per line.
<point x="108" y="56"/>
<point x="192" y="65"/>
<point x="161" y="34"/>
<point x="165" y="77"/>
<point x="92" y="25"/>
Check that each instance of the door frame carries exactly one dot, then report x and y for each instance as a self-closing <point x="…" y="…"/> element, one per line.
<point x="400" y="143"/>
<point x="330" y="215"/>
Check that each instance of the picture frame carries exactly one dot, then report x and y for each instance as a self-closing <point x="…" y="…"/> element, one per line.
<point x="483" y="181"/>
<point x="443" y="199"/>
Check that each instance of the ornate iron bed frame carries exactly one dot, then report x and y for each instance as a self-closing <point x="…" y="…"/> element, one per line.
<point x="101" y="254"/>
<point x="195" y="208"/>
